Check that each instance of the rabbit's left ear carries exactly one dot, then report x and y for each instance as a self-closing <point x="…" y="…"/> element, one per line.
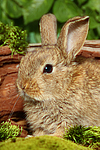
<point x="72" y="37"/>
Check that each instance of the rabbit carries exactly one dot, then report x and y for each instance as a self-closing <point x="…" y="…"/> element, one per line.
<point x="59" y="88"/>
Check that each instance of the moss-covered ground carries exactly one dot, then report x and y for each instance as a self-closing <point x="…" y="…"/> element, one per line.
<point x="41" y="143"/>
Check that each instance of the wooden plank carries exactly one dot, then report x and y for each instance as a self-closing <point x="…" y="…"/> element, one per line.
<point x="91" y="48"/>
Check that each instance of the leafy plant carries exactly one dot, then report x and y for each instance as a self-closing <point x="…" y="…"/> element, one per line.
<point x="14" y="37"/>
<point x="9" y="131"/>
<point x="86" y="136"/>
<point x="28" y="13"/>
<point x="30" y="10"/>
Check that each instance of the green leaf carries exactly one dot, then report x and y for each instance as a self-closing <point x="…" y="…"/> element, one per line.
<point x="93" y="23"/>
<point x="92" y="20"/>
<point x="34" y="37"/>
<point x="98" y="17"/>
<point x="24" y="3"/>
<point x="80" y="2"/>
<point x="36" y="9"/>
<point x="98" y="30"/>
<point x="93" y="5"/>
<point x="4" y="18"/>
<point x="65" y="9"/>
<point x="0" y="11"/>
<point x="91" y="35"/>
<point x="11" y="8"/>
<point x="38" y="37"/>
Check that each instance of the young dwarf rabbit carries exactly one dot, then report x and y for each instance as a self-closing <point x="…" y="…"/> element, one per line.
<point x="58" y="89"/>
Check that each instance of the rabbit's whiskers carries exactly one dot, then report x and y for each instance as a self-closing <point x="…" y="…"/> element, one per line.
<point x="9" y="117"/>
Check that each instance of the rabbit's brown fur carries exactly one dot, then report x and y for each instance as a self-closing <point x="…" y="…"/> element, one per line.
<point x="70" y="93"/>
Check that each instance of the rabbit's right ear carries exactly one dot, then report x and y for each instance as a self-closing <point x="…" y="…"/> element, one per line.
<point x="48" y="29"/>
<point x="72" y="37"/>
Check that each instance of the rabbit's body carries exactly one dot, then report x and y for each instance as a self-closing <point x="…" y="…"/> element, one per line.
<point x="58" y="89"/>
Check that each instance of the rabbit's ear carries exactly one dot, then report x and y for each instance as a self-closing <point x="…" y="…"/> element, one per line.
<point x="48" y="29"/>
<point x="72" y="37"/>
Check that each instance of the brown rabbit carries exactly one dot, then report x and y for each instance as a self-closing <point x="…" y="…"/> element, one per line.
<point x="59" y="88"/>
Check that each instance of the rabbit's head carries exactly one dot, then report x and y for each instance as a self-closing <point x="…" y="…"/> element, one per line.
<point x="45" y="72"/>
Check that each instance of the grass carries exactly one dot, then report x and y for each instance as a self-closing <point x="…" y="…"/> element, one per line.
<point x="87" y="136"/>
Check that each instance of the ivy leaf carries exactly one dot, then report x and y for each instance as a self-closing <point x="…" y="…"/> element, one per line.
<point x="93" y="23"/>
<point x="23" y="3"/>
<point x="93" y="4"/>
<point x="92" y="20"/>
<point x="98" y="29"/>
<point x="4" y="18"/>
<point x="80" y="2"/>
<point x="36" y="9"/>
<point x="35" y="37"/>
<point x="91" y="35"/>
<point x="11" y="8"/>
<point x="0" y="11"/>
<point x="64" y="10"/>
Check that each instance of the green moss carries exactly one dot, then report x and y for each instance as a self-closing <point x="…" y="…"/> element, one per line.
<point x="86" y="136"/>
<point x="9" y="131"/>
<point x="41" y="143"/>
<point x="14" y="37"/>
<point x="96" y="146"/>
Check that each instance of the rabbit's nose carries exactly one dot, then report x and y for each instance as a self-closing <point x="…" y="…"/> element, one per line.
<point x="25" y="86"/>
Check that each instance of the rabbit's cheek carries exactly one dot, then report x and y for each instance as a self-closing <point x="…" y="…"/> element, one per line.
<point x="19" y="89"/>
<point x="32" y="89"/>
<point x="21" y="93"/>
<point x="22" y="86"/>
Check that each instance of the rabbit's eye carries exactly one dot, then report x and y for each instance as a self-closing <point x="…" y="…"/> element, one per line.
<point x="48" y="68"/>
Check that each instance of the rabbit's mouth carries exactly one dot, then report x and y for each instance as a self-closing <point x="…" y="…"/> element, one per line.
<point x="26" y="96"/>
<point x="23" y="94"/>
<point x="30" y="99"/>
